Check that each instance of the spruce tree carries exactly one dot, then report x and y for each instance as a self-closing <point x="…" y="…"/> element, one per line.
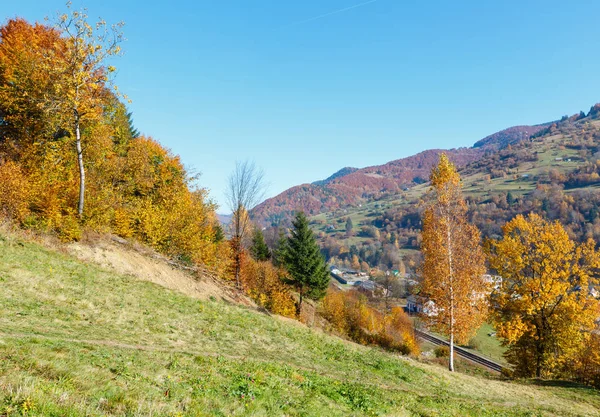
<point x="349" y="227"/>
<point x="219" y="235"/>
<point x="303" y="260"/>
<point x="259" y="249"/>
<point x="279" y="250"/>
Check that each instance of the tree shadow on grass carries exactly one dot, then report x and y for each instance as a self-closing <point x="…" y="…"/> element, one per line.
<point x="559" y="384"/>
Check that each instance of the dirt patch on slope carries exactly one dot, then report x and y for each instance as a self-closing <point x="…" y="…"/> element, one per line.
<point x="143" y="263"/>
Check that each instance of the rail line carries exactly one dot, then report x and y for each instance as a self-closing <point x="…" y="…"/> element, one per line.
<point x="463" y="353"/>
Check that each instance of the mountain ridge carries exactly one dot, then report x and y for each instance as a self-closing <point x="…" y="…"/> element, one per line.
<point x="350" y="187"/>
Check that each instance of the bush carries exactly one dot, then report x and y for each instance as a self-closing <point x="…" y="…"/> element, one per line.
<point x="350" y="315"/>
<point x="442" y="352"/>
<point x="14" y="192"/>
<point x="261" y="281"/>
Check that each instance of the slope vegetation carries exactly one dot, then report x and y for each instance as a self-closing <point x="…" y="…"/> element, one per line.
<point x="80" y="340"/>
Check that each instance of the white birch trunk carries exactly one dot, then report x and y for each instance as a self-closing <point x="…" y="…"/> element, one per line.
<point x="80" y="164"/>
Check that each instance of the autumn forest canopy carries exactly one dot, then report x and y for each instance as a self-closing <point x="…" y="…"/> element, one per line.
<point x="56" y="90"/>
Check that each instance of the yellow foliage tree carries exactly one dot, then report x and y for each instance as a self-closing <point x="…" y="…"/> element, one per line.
<point x="14" y="191"/>
<point x="544" y="310"/>
<point x="52" y="83"/>
<point x="453" y="264"/>
<point x="80" y="76"/>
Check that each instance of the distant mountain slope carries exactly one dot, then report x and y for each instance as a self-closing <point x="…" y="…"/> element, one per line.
<point x="509" y="136"/>
<point x="224" y="219"/>
<point x="342" y="172"/>
<point x="352" y="187"/>
<point x="358" y="186"/>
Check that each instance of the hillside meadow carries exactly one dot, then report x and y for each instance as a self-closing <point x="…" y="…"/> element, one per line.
<point x="80" y="340"/>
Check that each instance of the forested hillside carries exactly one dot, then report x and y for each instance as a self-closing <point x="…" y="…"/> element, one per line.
<point x="555" y="173"/>
<point x="356" y="187"/>
<point x="350" y="187"/>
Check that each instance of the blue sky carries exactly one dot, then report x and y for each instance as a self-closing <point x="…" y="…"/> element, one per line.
<point x="304" y="88"/>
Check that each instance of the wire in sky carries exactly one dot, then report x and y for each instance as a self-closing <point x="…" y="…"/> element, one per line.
<point x="345" y="9"/>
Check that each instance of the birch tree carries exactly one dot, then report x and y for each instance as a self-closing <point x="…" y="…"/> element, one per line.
<point x="453" y="264"/>
<point x="83" y="75"/>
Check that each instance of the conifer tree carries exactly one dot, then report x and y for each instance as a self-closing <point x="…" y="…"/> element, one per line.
<point x="349" y="227"/>
<point x="279" y="250"/>
<point x="219" y="235"/>
<point x="259" y="249"/>
<point x="303" y="260"/>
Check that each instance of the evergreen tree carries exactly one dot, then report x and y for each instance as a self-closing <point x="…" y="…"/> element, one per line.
<point x="279" y="250"/>
<point x="219" y="235"/>
<point x="510" y="199"/>
<point x="133" y="132"/>
<point x="349" y="227"/>
<point x="303" y="260"/>
<point x="259" y="249"/>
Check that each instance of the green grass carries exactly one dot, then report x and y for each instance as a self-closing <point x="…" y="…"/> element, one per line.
<point x="77" y="340"/>
<point x="488" y="346"/>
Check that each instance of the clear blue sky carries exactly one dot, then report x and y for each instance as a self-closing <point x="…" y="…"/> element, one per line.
<point x="305" y="87"/>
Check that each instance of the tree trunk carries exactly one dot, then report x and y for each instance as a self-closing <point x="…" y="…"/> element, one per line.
<point x="451" y="289"/>
<point x="80" y="164"/>
<point x="451" y="360"/>
<point x="299" y="309"/>
<point x="539" y="353"/>
<point x="238" y="263"/>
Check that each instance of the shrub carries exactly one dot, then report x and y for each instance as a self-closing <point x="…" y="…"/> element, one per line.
<point x="349" y="314"/>
<point x="262" y="282"/>
<point x="14" y="191"/>
<point x="442" y="352"/>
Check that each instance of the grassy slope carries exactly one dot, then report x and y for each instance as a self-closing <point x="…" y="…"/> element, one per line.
<point x="79" y="340"/>
<point x="489" y="346"/>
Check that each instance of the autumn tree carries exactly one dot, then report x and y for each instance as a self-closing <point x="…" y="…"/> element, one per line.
<point x="543" y="310"/>
<point x="135" y="187"/>
<point x="245" y="189"/>
<point x="84" y="75"/>
<point x="453" y="261"/>
<point x="304" y="262"/>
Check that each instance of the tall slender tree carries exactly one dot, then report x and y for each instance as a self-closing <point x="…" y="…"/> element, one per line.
<point x="349" y="227"/>
<point x="304" y="262"/>
<point x="453" y="264"/>
<point x="244" y="190"/>
<point x="83" y="74"/>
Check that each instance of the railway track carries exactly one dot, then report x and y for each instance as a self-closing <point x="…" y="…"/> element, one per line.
<point x="463" y="353"/>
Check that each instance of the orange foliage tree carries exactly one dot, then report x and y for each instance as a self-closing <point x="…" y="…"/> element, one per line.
<point x="350" y="314"/>
<point x="261" y="281"/>
<point x="453" y="264"/>
<point x="544" y="310"/>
